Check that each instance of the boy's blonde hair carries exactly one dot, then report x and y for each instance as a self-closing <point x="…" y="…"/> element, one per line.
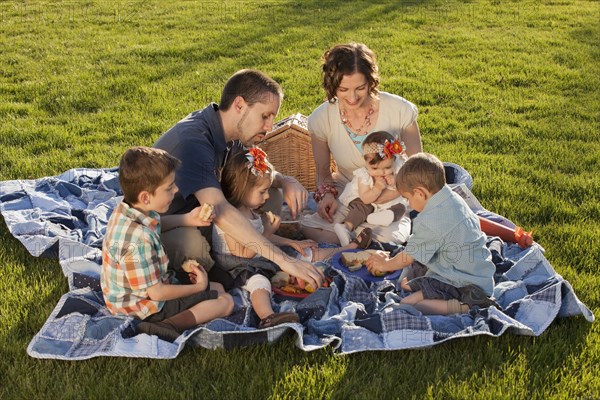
<point x="238" y="180"/>
<point x="421" y="169"/>
<point x="144" y="169"/>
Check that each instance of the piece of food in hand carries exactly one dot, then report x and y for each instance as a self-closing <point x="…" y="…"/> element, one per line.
<point x="280" y="279"/>
<point x="206" y="211"/>
<point x="309" y="288"/>
<point x="187" y="265"/>
<point x="270" y="217"/>
<point x="354" y="260"/>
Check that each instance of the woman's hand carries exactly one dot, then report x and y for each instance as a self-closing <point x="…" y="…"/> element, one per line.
<point x="327" y="207"/>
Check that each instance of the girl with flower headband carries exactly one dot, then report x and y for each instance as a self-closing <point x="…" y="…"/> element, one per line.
<point x="372" y="196"/>
<point x="245" y="181"/>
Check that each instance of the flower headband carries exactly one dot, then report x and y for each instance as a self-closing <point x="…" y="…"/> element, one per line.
<point x="386" y="149"/>
<point x="257" y="161"/>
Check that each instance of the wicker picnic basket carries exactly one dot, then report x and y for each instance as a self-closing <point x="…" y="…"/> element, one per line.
<point x="289" y="149"/>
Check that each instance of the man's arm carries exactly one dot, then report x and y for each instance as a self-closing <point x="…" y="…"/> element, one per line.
<point x="233" y="223"/>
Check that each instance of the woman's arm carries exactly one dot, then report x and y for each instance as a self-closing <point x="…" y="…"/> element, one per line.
<point x="327" y="206"/>
<point x="321" y="155"/>
<point x="411" y="136"/>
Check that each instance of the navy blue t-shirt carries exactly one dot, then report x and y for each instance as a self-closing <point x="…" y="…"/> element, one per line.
<point x="198" y="141"/>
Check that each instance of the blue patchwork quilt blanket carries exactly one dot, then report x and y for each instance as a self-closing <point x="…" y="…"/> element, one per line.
<point x="65" y="217"/>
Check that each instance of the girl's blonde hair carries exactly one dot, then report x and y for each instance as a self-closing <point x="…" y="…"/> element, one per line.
<point x="238" y="179"/>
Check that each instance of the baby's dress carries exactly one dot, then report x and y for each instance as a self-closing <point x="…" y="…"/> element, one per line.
<point x="362" y="175"/>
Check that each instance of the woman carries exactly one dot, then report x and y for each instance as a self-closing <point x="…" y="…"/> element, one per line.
<point x="354" y="108"/>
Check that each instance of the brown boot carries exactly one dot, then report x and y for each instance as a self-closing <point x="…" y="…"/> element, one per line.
<point x="277" y="319"/>
<point x="161" y="329"/>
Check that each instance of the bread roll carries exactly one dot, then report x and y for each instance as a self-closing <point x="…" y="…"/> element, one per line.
<point x="186" y="266"/>
<point x="206" y="211"/>
<point x="270" y="217"/>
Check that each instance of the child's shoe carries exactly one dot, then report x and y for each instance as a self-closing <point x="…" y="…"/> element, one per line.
<point x="383" y="218"/>
<point x="364" y="238"/>
<point x="342" y="233"/>
<point x="278" y="319"/>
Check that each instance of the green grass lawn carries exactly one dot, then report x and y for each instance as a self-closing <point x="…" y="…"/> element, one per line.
<point x="510" y="90"/>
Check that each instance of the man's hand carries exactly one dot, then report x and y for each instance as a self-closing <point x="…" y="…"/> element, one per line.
<point x="300" y="245"/>
<point x="303" y="270"/>
<point x="327" y="207"/>
<point x="294" y="194"/>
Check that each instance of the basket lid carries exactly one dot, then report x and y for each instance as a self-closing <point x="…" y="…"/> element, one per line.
<point x="297" y="121"/>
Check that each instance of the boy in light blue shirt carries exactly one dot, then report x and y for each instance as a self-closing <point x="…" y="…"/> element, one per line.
<point x="446" y="238"/>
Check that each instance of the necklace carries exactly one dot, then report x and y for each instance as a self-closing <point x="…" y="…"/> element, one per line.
<point x="365" y="125"/>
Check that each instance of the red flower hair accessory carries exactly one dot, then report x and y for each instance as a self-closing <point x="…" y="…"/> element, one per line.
<point x="257" y="161"/>
<point x="386" y="149"/>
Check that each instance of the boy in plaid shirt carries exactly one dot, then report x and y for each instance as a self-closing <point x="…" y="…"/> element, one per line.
<point x="134" y="275"/>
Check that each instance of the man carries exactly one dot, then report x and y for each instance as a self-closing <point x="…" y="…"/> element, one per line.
<point x="203" y="141"/>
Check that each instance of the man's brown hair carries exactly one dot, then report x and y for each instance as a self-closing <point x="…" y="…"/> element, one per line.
<point x="421" y="169"/>
<point x="144" y="169"/>
<point x="253" y="86"/>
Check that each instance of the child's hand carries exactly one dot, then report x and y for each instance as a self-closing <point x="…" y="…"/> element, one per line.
<point x="377" y="263"/>
<point x="198" y="276"/>
<point x="300" y="245"/>
<point x="271" y="223"/>
<point x="193" y="218"/>
<point x="390" y="180"/>
<point x="379" y="182"/>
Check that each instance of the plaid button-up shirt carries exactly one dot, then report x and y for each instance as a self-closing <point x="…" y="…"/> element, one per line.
<point x="133" y="259"/>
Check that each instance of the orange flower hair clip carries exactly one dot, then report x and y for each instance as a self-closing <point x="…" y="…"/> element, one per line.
<point x="257" y="161"/>
<point x="386" y="149"/>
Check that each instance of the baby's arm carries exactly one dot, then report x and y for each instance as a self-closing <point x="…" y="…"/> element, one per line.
<point x="369" y="195"/>
<point x="377" y="262"/>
